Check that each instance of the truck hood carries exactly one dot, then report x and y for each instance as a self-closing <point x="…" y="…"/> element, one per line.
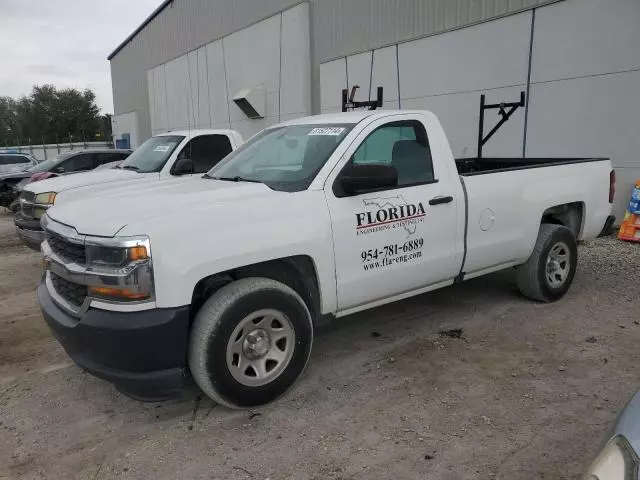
<point x="105" y="215"/>
<point x="66" y="182"/>
<point x="117" y="188"/>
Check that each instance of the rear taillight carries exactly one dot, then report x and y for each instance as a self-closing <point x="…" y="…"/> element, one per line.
<point x="612" y="185"/>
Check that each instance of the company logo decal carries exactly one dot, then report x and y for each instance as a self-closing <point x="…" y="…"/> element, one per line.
<point x="380" y="214"/>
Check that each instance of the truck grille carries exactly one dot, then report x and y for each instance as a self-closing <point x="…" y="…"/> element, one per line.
<point x="72" y="292"/>
<point x="26" y="205"/>
<point x="65" y="249"/>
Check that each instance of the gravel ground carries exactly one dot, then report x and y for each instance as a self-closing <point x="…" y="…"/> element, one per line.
<point x="526" y="392"/>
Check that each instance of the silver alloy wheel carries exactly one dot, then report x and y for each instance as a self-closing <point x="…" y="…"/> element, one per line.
<point x="260" y="347"/>
<point x="558" y="264"/>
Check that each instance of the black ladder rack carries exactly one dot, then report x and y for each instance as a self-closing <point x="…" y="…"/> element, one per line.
<point x="504" y="113"/>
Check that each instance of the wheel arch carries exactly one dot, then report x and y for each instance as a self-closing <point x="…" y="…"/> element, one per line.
<point x="297" y="272"/>
<point x="570" y="215"/>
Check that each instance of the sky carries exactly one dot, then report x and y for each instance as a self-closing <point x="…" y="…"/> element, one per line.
<point x="64" y="43"/>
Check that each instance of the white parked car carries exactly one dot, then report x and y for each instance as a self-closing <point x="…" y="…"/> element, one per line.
<point x="225" y="276"/>
<point x="167" y="155"/>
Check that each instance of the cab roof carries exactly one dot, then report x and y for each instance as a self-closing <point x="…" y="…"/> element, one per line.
<point x="194" y="132"/>
<point x="346" y="117"/>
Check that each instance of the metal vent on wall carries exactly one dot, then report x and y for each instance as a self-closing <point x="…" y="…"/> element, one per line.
<point x="251" y="101"/>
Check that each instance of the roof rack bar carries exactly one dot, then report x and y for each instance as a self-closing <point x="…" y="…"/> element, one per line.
<point x="348" y="102"/>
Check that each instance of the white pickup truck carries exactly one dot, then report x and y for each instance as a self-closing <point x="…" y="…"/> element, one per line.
<point x="167" y="155"/>
<point x="226" y="275"/>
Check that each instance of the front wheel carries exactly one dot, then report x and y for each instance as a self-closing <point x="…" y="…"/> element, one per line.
<point x="250" y="342"/>
<point x="548" y="273"/>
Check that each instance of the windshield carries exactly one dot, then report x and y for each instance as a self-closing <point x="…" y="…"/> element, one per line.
<point x="285" y="158"/>
<point x="50" y="164"/>
<point x="152" y="154"/>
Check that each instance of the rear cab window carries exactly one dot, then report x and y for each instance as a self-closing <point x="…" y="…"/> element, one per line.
<point x="206" y="151"/>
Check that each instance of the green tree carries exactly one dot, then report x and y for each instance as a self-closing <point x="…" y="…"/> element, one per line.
<point x="50" y="115"/>
<point x="8" y="120"/>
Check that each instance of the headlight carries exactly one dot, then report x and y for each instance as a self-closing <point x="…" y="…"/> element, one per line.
<point x="125" y="272"/>
<point x="42" y="202"/>
<point x="47" y="198"/>
<point x="617" y="461"/>
<point x="115" y="256"/>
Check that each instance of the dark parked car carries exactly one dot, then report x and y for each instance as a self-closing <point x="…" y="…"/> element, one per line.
<point x="11" y="183"/>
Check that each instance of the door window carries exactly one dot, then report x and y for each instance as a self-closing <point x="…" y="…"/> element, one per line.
<point x="78" y="163"/>
<point x="13" y="159"/>
<point x="110" y="157"/>
<point x="403" y="145"/>
<point x="206" y="151"/>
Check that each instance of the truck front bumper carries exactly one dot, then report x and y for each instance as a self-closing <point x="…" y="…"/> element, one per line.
<point x="29" y="231"/>
<point x="142" y="353"/>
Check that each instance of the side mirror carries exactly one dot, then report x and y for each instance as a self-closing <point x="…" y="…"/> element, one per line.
<point x="362" y="178"/>
<point x="183" y="166"/>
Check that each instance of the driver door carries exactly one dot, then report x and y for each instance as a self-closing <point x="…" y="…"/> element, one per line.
<point x="399" y="239"/>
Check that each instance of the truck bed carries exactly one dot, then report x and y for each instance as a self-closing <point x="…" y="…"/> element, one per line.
<point x="480" y="166"/>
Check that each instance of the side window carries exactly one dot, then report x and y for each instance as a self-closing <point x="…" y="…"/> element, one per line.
<point x="13" y="159"/>
<point x="110" y="157"/>
<point x="403" y="145"/>
<point x="78" y="163"/>
<point x="206" y="151"/>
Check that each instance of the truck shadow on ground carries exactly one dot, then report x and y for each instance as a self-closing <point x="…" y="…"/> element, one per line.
<point x="383" y="328"/>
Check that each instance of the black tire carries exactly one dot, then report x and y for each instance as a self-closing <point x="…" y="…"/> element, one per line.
<point x="214" y="325"/>
<point x="532" y="276"/>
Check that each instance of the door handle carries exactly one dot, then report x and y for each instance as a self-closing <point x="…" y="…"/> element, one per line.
<point x="440" y="200"/>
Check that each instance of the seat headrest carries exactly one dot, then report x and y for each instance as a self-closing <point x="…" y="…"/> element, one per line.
<point x="406" y="149"/>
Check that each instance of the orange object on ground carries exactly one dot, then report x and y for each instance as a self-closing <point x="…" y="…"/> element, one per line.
<point x="630" y="227"/>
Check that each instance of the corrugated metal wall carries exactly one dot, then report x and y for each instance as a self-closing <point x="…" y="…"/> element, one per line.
<point x="340" y="27"/>
<point x="348" y="26"/>
<point x="196" y="90"/>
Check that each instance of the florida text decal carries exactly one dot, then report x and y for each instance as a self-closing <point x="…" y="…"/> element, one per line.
<point x="380" y="214"/>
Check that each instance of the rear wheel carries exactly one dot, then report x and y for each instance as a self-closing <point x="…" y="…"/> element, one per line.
<point x="548" y="273"/>
<point x="250" y="342"/>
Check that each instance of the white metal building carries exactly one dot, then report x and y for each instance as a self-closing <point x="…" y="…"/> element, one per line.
<point x="578" y="60"/>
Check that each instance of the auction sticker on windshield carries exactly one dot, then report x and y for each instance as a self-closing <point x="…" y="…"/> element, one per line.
<point x="162" y="148"/>
<point x="333" y="131"/>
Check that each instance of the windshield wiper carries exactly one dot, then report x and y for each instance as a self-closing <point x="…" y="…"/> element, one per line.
<point x="129" y="167"/>
<point x="232" y="179"/>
